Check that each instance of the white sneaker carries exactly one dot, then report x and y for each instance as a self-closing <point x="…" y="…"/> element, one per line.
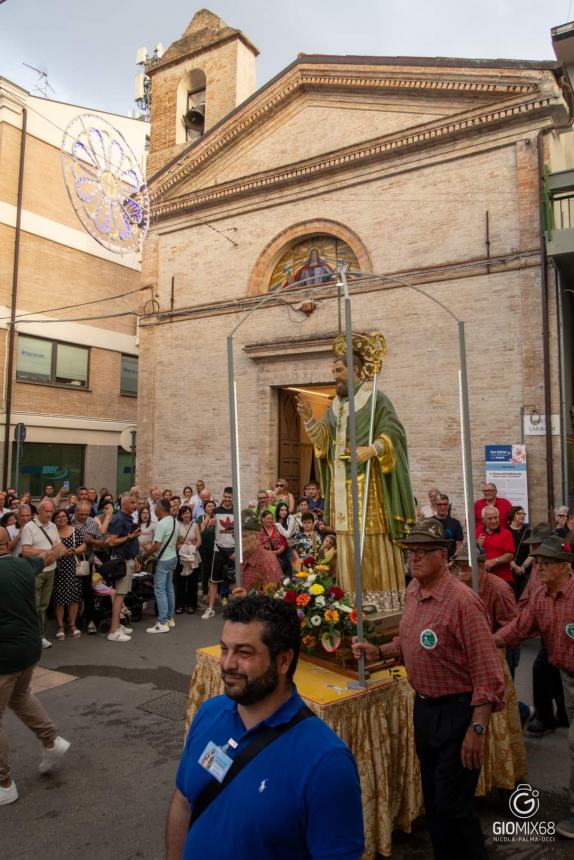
<point x="92" y="628"/>
<point x="8" y="795"/>
<point x="127" y="630"/>
<point x="119" y="636"/>
<point x="158" y="628"/>
<point x="171" y="622"/>
<point x="52" y="756"/>
<point x="46" y="643"/>
<point x="209" y="613"/>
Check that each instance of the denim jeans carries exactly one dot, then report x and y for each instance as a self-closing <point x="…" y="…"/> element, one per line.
<point x="163" y="589"/>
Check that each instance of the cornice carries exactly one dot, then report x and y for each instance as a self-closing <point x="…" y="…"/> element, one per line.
<point x="248" y="116"/>
<point x="383" y="148"/>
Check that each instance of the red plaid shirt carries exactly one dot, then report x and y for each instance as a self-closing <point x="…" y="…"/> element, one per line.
<point x="547" y="615"/>
<point x="498" y="597"/>
<point x="534" y="584"/>
<point x="464" y="658"/>
<point x="260" y="568"/>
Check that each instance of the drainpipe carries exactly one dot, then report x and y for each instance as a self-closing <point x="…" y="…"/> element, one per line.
<point x="12" y="326"/>
<point x="562" y="384"/>
<point x="545" y="333"/>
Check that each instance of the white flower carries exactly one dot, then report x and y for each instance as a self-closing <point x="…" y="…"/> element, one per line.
<point x="315" y="620"/>
<point x="320" y="600"/>
<point x="311" y="579"/>
<point x="287" y="581"/>
<point x="343" y="607"/>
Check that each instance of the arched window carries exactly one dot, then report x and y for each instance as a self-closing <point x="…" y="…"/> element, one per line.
<point x="313" y="260"/>
<point x="190" y="122"/>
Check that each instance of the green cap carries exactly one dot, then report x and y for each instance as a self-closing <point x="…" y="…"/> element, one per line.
<point x="428" y="532"/>
<point x="554" y="548"/>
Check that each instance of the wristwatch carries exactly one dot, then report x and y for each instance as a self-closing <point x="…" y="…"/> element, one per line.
<point x="478" y="728"/>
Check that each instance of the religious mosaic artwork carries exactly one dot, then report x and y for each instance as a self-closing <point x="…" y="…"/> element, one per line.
<point x="313" y="261"/>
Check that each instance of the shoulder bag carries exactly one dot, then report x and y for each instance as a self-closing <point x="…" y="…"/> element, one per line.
<point x="83" y="566"/>
<point x="265" y="736"/>
<point x="152" y="564"/>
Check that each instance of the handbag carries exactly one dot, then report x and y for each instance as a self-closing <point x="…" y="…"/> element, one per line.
<point x="262" y="738"/>
<point x="151" y="563"/>
<point x="113" y="570"/>
<point x="83" y="566"/>
<point x="190" y="550"/>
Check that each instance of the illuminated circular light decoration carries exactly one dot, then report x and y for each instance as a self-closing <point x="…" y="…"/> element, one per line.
<point x="105" y="184"/>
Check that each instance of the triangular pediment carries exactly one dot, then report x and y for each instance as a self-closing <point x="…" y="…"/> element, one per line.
<point x="321" y="111"/>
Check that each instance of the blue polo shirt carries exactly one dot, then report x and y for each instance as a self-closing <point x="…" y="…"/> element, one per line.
<point x="299" y="799"/>
<point x="121" y="525"/>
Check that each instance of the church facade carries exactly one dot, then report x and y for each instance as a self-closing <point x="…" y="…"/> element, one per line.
<point x="406" y="171"/>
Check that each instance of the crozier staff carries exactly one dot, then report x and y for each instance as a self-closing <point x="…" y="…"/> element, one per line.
<point x="447" y="648"/>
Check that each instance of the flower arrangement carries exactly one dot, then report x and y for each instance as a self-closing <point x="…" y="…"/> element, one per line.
<point x="325" y="612"/>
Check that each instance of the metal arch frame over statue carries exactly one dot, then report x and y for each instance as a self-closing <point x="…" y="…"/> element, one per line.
<point x="358" y="531"/>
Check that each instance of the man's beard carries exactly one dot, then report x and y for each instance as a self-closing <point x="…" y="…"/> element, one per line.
<point x="341" y="389"/>
<point x="256" y="689"/>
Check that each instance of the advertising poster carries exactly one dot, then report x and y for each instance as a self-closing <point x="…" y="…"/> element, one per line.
<point x="506" y="467"/>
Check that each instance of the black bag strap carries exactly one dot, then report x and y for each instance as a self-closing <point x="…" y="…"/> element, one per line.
<point x="166" y="544"/>
<point x="46" y="535"/>
<point x="265" y="736"/>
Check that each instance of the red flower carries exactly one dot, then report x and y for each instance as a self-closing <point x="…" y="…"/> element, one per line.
<point x="336" y="592"/>
<point x="354" y="616"/>
<point x="309" y="561"/>
<point x="291" y="597"/>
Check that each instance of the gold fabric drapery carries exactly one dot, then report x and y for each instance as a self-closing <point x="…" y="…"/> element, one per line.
<point x="377" y="726"/>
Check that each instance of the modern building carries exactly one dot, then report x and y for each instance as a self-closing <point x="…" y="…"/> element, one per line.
<point x="73" y="379"/>
<point x="423" y="171"/>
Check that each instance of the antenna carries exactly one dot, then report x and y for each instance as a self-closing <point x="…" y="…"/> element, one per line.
<point x="42" y="84"/>
<point x="142" y="85"/>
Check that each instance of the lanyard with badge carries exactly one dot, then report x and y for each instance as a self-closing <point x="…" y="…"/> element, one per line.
<point x="214" y="759"/>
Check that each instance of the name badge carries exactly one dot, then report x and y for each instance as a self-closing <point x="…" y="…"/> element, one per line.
<point x="570" y="630"/>
<point x="428" y="639"/>
<point x="215" y="761"/>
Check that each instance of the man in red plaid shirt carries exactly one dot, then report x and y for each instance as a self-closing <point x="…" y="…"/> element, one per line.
<point x="447" y="648"/>
<point x="550" y="614"/>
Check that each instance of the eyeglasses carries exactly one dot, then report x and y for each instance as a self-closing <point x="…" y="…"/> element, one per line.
<point x="279" y="485"/>
<point x="420" y="552"/>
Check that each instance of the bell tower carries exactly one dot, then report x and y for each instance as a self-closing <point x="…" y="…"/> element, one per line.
<point x="199" y="79"/>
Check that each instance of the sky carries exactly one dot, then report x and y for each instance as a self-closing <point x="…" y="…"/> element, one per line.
<point x="88" y="49"/>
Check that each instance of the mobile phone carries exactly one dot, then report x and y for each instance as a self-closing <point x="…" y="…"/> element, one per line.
<point x="66" y="485"/>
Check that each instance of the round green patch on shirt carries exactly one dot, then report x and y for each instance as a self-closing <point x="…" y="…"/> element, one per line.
<point x="428" y="639"/>
<point x="570" y="630"/>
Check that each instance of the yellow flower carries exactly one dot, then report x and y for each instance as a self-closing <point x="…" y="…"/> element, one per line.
<point x="322" y="567"/>
<point x="316" y="588"/>
<point x="331" y="615"/>
<point x="302" y="575"/>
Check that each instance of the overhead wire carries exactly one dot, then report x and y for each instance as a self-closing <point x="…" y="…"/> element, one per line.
<point x="78" y="305"/>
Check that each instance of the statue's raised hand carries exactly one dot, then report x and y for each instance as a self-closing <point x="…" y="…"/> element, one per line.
<point x="304" y="408"/>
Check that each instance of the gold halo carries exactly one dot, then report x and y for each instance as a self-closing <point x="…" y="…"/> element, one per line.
<point x="370" y="348"/>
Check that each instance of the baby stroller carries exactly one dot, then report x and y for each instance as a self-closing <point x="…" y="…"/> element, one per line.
<point x="142" y="592"/>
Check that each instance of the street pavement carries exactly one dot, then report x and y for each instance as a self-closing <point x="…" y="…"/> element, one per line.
<point x="124" y="712"/>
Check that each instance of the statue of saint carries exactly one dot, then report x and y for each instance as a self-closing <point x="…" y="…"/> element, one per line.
<point x="390" y="509"/>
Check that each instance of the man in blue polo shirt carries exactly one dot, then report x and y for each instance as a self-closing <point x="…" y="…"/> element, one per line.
<point x="276" y="805"/>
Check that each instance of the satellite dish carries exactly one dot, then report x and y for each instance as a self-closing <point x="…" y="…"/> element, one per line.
<point x="128" y="439"/>
<point x="105" y="184"/>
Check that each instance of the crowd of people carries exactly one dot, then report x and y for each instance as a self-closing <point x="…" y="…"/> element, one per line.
<point x="186" y="540"/>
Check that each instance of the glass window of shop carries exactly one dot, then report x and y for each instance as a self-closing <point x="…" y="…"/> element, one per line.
<point x="129" y="375"/>
<point x="124" y="476"/>
<point x="51" y="363"/>
<point x="43" y="463"/>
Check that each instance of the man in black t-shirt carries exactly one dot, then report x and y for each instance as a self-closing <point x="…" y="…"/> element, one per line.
<point x="20" y="650"/>
<point x="452" y="527"/>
